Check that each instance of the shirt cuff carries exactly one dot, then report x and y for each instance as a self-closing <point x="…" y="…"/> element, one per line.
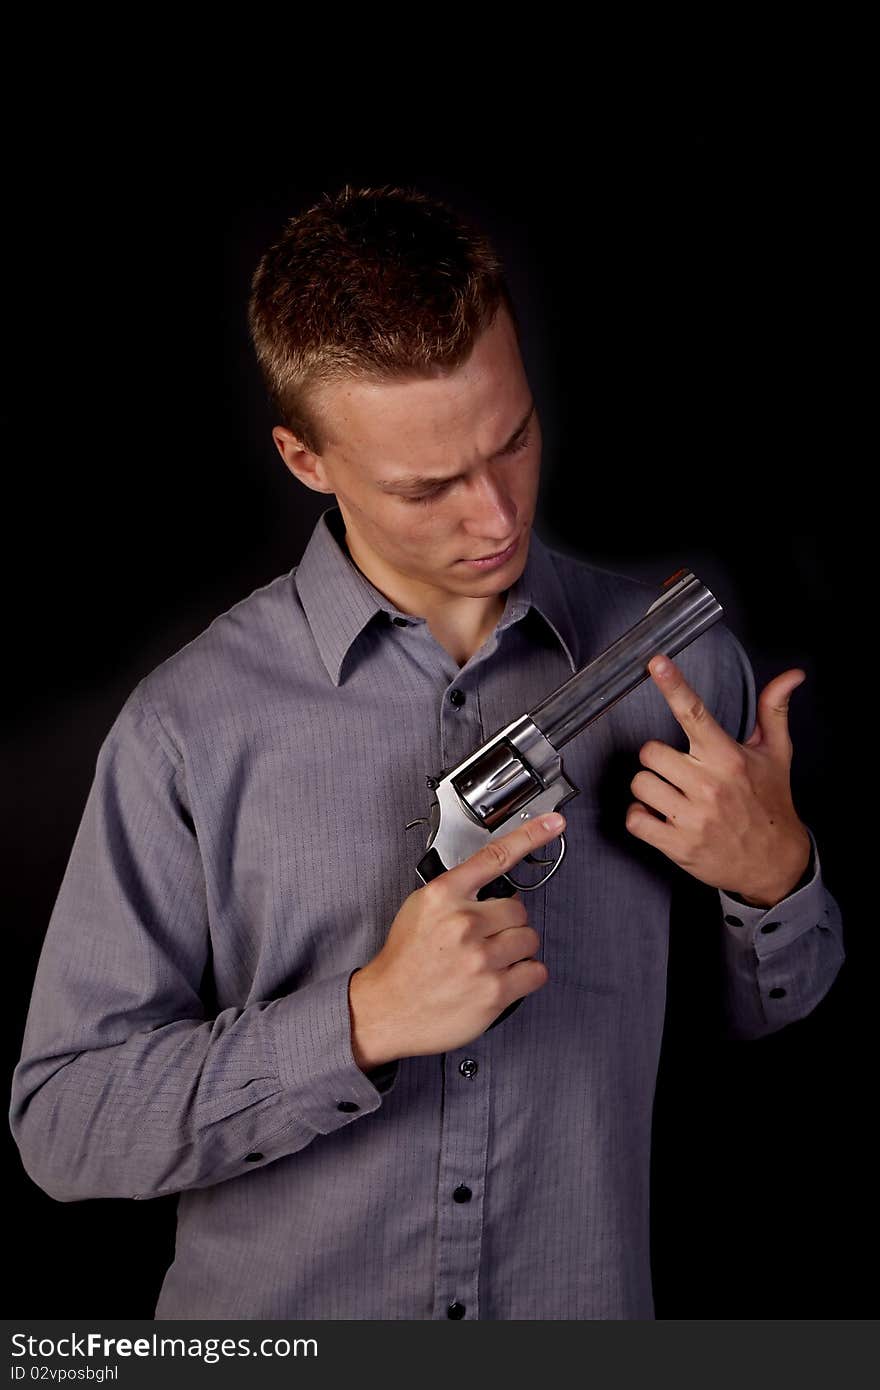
<point x="325" y="1085"/>
<point x="768" y="929"/>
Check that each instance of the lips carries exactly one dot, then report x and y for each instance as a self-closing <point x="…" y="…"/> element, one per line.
<point x="496" y="555"/>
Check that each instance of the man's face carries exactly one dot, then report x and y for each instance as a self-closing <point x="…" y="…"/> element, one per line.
<point x="473" y="433"/>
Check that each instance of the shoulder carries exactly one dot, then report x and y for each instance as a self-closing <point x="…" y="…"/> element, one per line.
<point x="584" y="577"/>
<point x="243" y="651"/>
<point x="604" y="603"/>
<point x="594" y="604"/>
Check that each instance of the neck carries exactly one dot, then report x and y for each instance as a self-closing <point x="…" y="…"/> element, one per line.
<point x="459" y="622"/>
<point x="462" y="631"/>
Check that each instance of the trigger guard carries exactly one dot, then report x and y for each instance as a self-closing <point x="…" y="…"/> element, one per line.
<point x="530" y="887"/>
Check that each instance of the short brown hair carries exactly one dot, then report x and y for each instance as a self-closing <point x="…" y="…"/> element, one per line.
<point x="374" y="283"/>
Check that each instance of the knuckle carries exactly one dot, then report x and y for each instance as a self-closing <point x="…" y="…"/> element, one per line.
<point x="497" y="992"/>
<point x="479" y="958"/>
<point x="458" y="924"/>
<point x="712" y="792"/>
<point x="495" y="854"/>
<point x="697" y="710"/>
<point x="533" y="978"/>
<point x="736" y="761"/>
<point x="433" y="893"/>
<point x="722" y="793"/>
<point x="540" y="972"/>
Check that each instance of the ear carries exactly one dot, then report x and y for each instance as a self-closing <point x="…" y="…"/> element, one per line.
<point x="303" y="464"/>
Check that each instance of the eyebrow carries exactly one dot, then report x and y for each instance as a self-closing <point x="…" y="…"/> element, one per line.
<point x="419" y="480"/>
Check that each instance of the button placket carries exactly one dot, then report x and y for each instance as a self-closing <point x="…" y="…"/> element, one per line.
<point x="461" y="730"/>
<point x="460" y="1184"/>
<point x="465" y="1126"/>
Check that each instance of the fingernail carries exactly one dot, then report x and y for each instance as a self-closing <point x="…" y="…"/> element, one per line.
<point x="553" y="821"/>
<point x="660" y="666"/>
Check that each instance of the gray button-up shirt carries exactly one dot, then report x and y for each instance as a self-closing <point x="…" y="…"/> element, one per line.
<point x="242" y="852"/>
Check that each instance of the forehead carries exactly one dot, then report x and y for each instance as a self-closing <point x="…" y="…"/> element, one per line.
<point x="472" y="407"/>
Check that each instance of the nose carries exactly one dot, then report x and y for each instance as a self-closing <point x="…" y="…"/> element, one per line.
<point x="490" y="510"/>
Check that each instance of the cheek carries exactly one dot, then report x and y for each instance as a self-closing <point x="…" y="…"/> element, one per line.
<point x="525" y="489"/>
<point x="412" y="529"/>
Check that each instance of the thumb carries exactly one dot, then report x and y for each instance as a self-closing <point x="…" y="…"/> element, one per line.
<point x="771" y="723"/>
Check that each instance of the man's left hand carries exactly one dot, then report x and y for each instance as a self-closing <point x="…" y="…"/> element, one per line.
<point x="730" y="821"/>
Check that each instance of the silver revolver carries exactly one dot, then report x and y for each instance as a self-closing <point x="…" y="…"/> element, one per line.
<point x="517" y="774"/>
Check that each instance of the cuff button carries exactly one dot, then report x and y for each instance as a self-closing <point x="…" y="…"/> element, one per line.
<point x="777" y="993"/>
<point x="253" y="1158"/>
<point x="347" y="1105"/>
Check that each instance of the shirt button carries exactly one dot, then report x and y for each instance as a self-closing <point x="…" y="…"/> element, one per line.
<point x="777" y="993"/>
<point x="771" y="926"/>
<point x="456" y="1310"/>
<point x="733" y="921"/>
<point x="347" y="1105"/>
<point x="468" y="1067"/>
<point x="462" y="1194"/>
<point x="457" y="697"/>
<point x="253" y="1158"/>
<point x="400" y="622"/>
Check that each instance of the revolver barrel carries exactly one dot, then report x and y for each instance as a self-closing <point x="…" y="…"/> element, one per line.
<point x="671" y="623"/>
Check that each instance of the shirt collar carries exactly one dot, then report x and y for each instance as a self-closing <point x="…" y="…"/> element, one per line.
<point x="339" y="601"/>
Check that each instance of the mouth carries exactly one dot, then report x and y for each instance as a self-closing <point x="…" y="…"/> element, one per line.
<point x="500" y="557"/>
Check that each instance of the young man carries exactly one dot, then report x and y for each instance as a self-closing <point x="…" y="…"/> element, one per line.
<point x="347" y="1138"/>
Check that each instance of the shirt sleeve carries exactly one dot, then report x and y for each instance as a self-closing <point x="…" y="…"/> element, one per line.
<point x="125" y="1086"/>
<point x="779" y="961"/>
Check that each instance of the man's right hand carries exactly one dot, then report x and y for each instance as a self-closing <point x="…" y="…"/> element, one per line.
<point x="450" y="964"/>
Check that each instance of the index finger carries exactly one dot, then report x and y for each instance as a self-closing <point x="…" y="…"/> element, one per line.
<point x="499" y="856"/>
<point x="702" y="729"/>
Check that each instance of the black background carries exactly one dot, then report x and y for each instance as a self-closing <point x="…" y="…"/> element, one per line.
<point x="687" y="296"/>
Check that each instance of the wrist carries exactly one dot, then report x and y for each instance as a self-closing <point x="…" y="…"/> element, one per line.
<point x="371" y="1045"/>
<point x="797" y="878"/>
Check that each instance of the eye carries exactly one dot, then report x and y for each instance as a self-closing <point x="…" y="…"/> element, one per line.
<point x="427" y="496"/>
<point x="522" y="443"/>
